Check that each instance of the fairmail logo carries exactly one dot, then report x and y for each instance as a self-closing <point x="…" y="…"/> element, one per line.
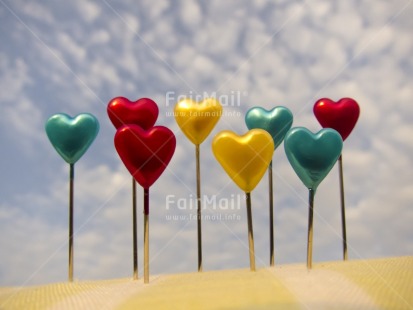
<point x="232" y="99"/>
<point x="233" y="202"/>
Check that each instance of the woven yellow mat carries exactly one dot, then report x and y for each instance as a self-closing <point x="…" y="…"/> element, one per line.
<point x="356" y="284"/>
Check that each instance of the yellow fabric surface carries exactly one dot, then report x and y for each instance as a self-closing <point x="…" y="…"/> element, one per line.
<point x="388" y="281"/>
<point x="356" y="284"/>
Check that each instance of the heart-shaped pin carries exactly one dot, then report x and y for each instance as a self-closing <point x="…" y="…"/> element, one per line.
<point x="276" y="121"/>
<point x="197" y="120"/>
<point x="341" y="115"/>
<point x="142" y="112"/>
<point x="145" y="153"/>
<point x="71" y="137"/>
<point x="244" y="158"/>
<point x="312" y="155"/>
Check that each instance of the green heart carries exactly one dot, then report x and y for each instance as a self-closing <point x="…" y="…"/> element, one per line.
<point x="312" y="155"/>
<point x="276" y="122"/>
<point x="71" y="137"/>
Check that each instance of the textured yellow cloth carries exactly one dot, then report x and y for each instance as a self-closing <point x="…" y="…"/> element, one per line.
<point x="356" y="284"/>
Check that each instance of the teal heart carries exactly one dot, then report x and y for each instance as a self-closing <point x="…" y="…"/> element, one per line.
<point x="312" y="155"/>
<point x="71" y="137"/>
<point x="276" y="122"/>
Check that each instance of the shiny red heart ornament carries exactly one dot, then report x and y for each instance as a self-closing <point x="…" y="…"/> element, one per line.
<point x="145" y="153"/>
<point x="341" y="115"/>
<point x="142" y="112"/>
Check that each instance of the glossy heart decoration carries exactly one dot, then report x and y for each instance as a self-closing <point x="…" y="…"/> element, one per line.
<point x="341" y="116"/>
<point x="197" y="120"/>
<point x="244" y="158"/>
<point x="71" y="137"/>
<point x="145" y="153"/>
<point x="276" y="121"/>
<point x="143" y="112"/>
<point x="312" y="155"/>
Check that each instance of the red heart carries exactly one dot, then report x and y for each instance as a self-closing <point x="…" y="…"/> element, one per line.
<point x="142" y="112"/>
<point x="341" y="115"/>
<point x="145" y="153"/>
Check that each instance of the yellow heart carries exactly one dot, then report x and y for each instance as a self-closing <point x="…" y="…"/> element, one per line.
<point x="244" y="158"/>
<point x="197" y="120"/>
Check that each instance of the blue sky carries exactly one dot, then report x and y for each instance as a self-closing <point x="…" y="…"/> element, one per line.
<point x="75" y="56"/>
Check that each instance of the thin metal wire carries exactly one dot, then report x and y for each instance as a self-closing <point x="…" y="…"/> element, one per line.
<point x="343" y="208"/>
<point x="146" y="236"/>
<point x="310" y="229"/>
<point x="250" y="233"/>
<point x="71" y="190"/>
<point x="198" y="194"/>
<point x="134" y="231"/>
<point x="270" y="179"/>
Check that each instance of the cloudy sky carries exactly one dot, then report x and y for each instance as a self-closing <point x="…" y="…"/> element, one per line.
<point x="74" y="56"/>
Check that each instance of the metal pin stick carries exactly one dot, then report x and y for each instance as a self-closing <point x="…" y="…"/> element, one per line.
<point x="310" y="229"/>
<point x="250" y="233"/>
<point x="146" y="236"/>
<point x="134" y="231"/>
<point x="198" y="194"/>
<point x="343" y="208"/>
<point x="271" y="215"/>
<point x="71" y="189"/>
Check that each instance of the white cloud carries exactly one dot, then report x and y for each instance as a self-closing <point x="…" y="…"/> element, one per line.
<point x="37" y="11"/>
<point x="30" y="235"/>
<point x="19" y="112"/>
<point x="218" y="37"/>
<point x="88" y="10"/>
<point x="161" y="37"/>
<point x="190" y="14"/>
<point x="203" y="65"/>
<point x="15" y="80"/>
<point x="70" y="46"/>
<point x="346" y="26"/>
<point x="320" y="10"/>
<point x="331" y="58"/>
<point x="402" y="135"/>
<point x="255" y="38"/>
<point x="100" y="73"/>
<point x="184" y="55"/>
<point x="155" y="10"/>
<point x="100" y="36"/>
<point x="131" y="21"/>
